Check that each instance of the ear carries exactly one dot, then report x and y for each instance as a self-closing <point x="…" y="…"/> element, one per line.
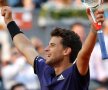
<point x="67" y="51"/>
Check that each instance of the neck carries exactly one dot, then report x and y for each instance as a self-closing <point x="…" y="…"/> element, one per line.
<point x="62" y="66"/>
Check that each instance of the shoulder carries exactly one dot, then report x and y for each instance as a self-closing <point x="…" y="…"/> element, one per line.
<point x="77" y="73"/>
<point x="39" y="65"/>
<point x="84" y="79"/>
<point x="39" y="61"/>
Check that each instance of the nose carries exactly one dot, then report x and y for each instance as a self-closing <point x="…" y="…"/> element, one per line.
<point x="47" y="48"/>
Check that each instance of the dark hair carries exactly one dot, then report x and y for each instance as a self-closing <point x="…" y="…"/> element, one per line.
<point x="17" y="85"/>
<point x="69" y="39"/>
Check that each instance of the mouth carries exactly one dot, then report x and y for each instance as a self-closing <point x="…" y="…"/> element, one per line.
<point x="48" y="55"/>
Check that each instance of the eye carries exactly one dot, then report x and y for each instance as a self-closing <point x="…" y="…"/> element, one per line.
<point x="52" y="44"/>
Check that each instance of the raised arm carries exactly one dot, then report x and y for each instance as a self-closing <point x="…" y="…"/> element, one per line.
<point x="85" y="53"/>
<point x="19" y="39"/>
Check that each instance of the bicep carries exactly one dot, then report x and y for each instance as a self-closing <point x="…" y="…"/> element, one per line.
<point x="30" y="54"/>
<point x="82" y="63"/>
<point x="39" y="66"/>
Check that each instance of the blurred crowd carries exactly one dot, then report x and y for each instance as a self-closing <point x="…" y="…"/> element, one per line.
<point x="17" y="74"/>
<point x="33" y="4"/>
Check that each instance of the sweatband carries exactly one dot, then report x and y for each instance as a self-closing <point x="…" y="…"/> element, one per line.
<point x="13" y="29"/>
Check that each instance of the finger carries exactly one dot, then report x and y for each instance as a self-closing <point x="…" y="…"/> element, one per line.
<point x="99" y="12"/>
<point x="2" y="12"/>
<point x="88" y="14"/>
<point x="6" y="12"/>
<point x="100" y="20"/>
<point x="7" y="15"/>
<point x="99" y="16"/>
<point x="102" y="1"/>
<point x="88" y="11"/>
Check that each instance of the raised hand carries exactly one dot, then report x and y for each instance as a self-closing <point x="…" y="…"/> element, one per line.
<point x="7" y="13"/>
<point x="99" y="17"/>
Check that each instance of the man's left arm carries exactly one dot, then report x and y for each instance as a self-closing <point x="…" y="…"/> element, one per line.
<point x="85" y="53"/>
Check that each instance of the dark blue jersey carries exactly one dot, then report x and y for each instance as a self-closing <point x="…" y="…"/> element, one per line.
<point x="70" y="79"/>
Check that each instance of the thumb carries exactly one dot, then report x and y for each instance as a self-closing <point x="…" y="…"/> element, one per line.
<point x="7" y="15"/>
<point x="6" y="12"/>
<point x="89" y="15"/>
<point x="2" y="12"/>
<point x="88" y="11"/>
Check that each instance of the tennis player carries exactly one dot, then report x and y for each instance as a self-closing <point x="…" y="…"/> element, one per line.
<point x="66" y="65"/>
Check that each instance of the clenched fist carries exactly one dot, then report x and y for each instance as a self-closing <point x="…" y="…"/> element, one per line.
<point x="7" y="13"/>
<point x="99" y="16"/>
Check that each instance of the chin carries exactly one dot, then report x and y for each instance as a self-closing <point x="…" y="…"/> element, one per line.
<point x="48" y="62"/>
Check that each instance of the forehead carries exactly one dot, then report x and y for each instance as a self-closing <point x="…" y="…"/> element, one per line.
<point x="78" y="27"/>
<point x="55" y="39"/>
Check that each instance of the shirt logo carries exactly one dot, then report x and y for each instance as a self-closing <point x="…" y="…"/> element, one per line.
<point x="40" y="60"/>
<point x="60" y="78"/>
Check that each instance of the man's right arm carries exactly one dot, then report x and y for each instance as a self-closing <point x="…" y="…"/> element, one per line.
<point x="19" y="39"/>
<point x="25" y="47"/>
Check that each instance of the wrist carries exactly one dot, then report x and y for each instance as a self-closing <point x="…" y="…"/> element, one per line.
<point x="8" y="21"/>
<point x="93" y="30"/>
<point x="13" y="29"/>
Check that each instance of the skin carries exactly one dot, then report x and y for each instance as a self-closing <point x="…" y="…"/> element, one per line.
<point x="80" y="30"/>
<point x="59" y="60"/>
<point x="56" y="55"/>
<point x="2" y="3"/>
<point x="28" y="4"/>
<point x="65" y="2"/>
<point x="20" y="88"/>
<point x="53" y="51"/>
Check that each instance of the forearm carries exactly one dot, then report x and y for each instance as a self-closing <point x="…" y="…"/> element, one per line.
<point x="25" y="47"/>
<point x="19" y="39"/>
<point x="85" y="53"/>
<point x="22" y="42"/>
<point x="89" y="44"/>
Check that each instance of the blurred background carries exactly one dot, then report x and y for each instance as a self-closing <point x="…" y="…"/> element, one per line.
<point x="37" y="18"/>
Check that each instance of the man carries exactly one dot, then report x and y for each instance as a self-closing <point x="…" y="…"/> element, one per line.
<point x="19" y="86"/>
<point x="58" y="71"/>
<point x="79" y="28"/>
